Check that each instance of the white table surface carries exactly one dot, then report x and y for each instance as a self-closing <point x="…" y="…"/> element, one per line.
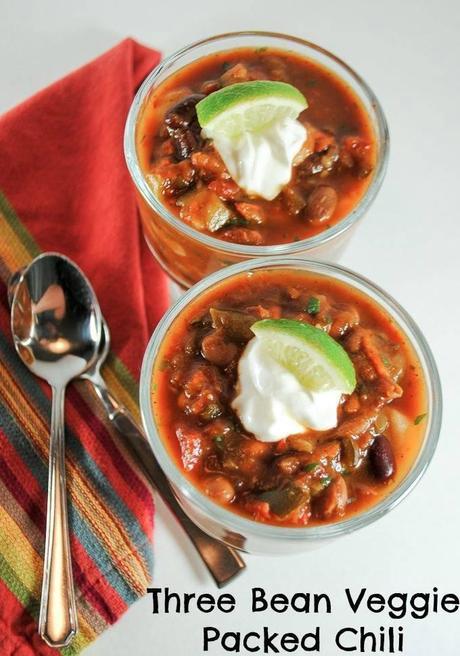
<point x="409" y="52"/>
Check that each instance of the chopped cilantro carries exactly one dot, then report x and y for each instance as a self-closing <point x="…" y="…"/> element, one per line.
<point x="326" y="481"/>
<point x="419" y="418"/>
<point x="313" y="305"/>
<point x="310" y="467"/>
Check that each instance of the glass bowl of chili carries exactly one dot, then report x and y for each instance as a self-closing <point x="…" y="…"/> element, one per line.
<point x="192" y="461"/>
<point x="189" y="249"/>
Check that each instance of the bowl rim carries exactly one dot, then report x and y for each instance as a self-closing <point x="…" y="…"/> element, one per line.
<point x="230" y="248"/>
<point x="238" y="523"/>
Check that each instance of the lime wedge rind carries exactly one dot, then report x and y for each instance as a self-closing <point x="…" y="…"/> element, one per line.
<point x="317" y="360"/>
<point x="248" y="106"/>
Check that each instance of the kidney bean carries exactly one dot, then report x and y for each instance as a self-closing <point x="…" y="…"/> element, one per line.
<point x="382" y="458"/>
<point x="321" y="204"/>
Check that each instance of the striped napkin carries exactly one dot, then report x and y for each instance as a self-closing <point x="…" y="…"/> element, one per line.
<point x="64" y="187"/>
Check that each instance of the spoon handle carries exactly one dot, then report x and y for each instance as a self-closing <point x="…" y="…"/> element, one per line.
<point x="223" y="562"/>
<point x="58" y="617"/>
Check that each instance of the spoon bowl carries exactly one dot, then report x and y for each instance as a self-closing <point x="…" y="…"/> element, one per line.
<point x="55" y="318"/>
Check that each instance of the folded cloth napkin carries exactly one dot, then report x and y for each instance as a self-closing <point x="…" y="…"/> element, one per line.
<point x="64" y="187"/>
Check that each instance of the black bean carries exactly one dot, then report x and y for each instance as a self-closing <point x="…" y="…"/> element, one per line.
<point x="382" y="458"/>
<point x="185" y="142"/>
<point x="182" y="124"/>
<point x="183" y="113"/>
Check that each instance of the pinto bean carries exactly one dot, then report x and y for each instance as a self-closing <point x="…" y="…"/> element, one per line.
<point x="219" y="488"/>
<point x="356" y="153"/>
<point x="217" y="349"/>
<point x="237" y="73"/>
<point x="277" y="68"/>
<point x="251" y="212"/>
<point x="345" y="319"/>
<point x="243" y="236"/>
<point x="330" y="157"/>
<point x="321" y="204"/>
<point x="294" y="199"/>
<point x="359" y="423"/>
<point x="210" y="86"/>
<point x="301" y="443"/>
<point x="288" y="464"/>
<point x="382" y="458"/>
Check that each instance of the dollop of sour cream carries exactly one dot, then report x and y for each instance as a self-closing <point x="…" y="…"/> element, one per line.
<point x="260" y="162"/>
<point x="272" y="404"/>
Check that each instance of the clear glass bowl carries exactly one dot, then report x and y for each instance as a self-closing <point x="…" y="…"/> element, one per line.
<point x="188" y="255"/>
<point x="250" y="535"/>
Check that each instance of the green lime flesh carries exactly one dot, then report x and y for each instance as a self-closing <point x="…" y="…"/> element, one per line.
<point x="317" y="360"/>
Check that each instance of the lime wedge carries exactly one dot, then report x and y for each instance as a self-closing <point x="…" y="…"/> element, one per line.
<point x="248" y="106"/>
<point x="311" y="355"/>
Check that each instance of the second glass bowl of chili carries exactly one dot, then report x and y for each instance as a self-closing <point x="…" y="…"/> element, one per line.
<point x="295" y="492"/>
<point x="182" y="183"/>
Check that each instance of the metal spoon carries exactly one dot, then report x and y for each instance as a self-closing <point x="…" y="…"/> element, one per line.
<point x="56" y="326"/>
<point x="223" y="562"/>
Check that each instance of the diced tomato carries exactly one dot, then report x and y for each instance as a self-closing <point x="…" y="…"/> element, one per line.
<point x="226" y="189"/>
<point x="191" y="447"/>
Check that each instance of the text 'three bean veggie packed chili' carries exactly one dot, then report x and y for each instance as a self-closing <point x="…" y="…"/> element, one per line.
<point x="256" y="146"/>
<point x="289" y="397"/>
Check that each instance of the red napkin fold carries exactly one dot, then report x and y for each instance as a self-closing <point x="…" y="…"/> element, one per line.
<point x="64" y="187"/>
<point x="63" y="171"/>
